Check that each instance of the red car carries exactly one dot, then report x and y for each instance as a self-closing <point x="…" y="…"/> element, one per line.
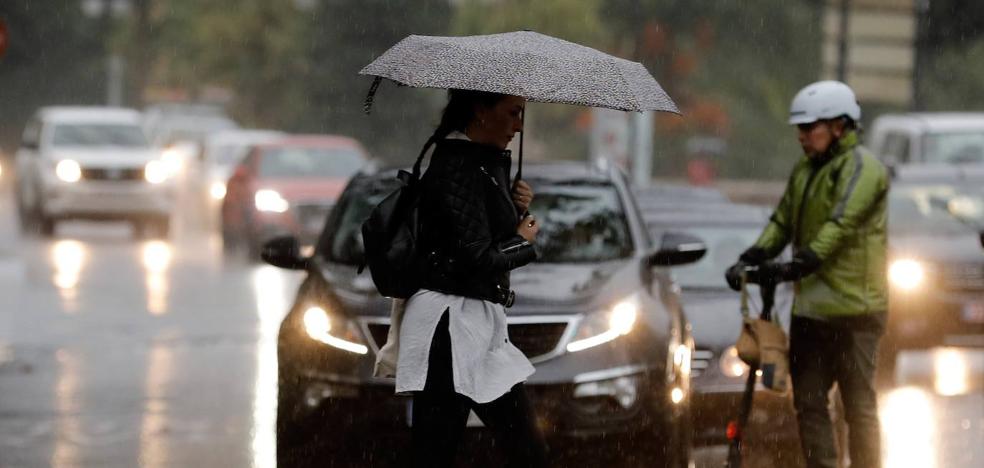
<point x="287" y="187"/>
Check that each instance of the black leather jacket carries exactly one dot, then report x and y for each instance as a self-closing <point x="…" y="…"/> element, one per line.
<point x="469" y="223"/>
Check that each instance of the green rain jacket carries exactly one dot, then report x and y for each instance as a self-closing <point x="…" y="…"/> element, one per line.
<point x="835" y="207"/>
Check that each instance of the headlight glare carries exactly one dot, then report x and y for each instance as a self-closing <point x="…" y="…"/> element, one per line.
<point x="318" y="326"/>
<point x="731" y="365"/>
<point x="601" y="328"/>
<point x="906" y="274"/>
<point x="68" y="170"/>
<point x="270" y="200"/>
<point x="217" y="190"/>
<point x="155" y="172"/>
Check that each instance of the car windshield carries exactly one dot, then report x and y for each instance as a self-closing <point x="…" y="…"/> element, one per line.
<point x="344" y="243"/>
<point x="98" y="135"/>
<point x="934" y="209"/>
<point x="310" y="162"/>
<point x="580" y="223"/>
<point x="724" y="245"/>
<point x="956" y="147"/>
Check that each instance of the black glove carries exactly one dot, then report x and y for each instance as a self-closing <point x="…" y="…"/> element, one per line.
<point x="733" y="275"/>
<point x="749" y="258"/>
<point x="804" y="263"/>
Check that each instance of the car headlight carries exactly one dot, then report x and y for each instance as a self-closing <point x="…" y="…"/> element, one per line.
<point x="155" y="172"/>
<point x="731" y="365"/>
<point x="173" y="159"/>
<point x="217" y="190"/>
<point x="599" y="328"/>
<point x="270" y="200"/>
<point x="68" y="170"/>
<point x="906" y="274"/>
<point x="341" y="334"/>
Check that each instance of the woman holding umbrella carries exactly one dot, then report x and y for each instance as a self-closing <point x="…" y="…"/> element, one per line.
<point x="454" y="351"/>
<point x="455" y="355"/>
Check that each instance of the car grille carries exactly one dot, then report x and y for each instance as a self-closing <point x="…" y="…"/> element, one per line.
<point x="112" y="174"/>
<point x="700" y="361"/>
<point x="535" y="340"/>
<point x="963" y="276"/>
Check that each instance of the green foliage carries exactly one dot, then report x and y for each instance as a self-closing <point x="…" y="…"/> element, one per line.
<point x="953" y="82"/>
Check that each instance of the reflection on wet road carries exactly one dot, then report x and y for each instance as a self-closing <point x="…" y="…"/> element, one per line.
<point x="153" y="353"/>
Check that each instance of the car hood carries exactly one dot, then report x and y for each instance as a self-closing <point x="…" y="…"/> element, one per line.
<point x="540" y="288"/>
<point x="106" y="156"/>
<point x="715" y="314"/>
<point x="956" y="248"/>
<point x="303" y="189"/>
<point x="565" y="288"/>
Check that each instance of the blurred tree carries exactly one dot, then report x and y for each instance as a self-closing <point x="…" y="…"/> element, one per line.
<point x="56" y="56"/>
<point x="347" y="35"/>
<point x="553" y="131"/>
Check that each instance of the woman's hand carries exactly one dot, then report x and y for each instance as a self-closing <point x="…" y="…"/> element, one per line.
<point x="522" y="196"/>
<point x="528" y="228"/>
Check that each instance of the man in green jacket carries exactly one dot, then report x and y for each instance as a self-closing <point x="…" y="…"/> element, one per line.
<point x="833" y="213"/>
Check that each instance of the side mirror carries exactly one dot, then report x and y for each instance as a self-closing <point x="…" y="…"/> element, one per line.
<point x="677" y="249"/>
<point x="284" y="252"/>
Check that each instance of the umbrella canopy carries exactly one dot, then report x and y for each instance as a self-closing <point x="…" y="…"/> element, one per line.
<point x="524" y="63"/>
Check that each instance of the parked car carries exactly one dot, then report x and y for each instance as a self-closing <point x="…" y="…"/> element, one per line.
<point x="597" y="315"/>
<point x="713" y="310"/>
<point x="221" y="153"/>
<point x="928" y="138"/>
<point x="936" y="266"/>
<point x="91" y="163"/>
<point x="287" y="187"/>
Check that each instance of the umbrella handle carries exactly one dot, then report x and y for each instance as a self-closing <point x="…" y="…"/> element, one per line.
<point x="519" y="168"/>
<point x="367" y="104"/>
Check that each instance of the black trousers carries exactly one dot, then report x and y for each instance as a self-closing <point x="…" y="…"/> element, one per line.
<point x="841" y="351"/>
<point x="439" y="416"/>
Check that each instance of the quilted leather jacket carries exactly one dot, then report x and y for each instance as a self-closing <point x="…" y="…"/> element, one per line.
<point x="469" y="223"/>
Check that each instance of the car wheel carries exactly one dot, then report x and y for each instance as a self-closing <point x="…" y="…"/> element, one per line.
<point x="671" y="446"/>
<point x="46" y="226"/>
<point x="303" y="439"/>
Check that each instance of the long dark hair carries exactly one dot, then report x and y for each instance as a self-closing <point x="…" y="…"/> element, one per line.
<point x="460" y="112"/>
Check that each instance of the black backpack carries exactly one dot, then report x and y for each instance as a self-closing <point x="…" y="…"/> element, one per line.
<point x="390" y="236"/>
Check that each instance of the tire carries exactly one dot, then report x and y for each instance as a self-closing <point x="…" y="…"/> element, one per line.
<point x="46" y="226"/>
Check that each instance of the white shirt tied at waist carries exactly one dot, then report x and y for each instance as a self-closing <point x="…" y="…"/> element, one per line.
<point x="485" y="364"/>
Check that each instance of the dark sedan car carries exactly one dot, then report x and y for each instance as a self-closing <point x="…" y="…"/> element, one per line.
<point x="597" y="315"/>
<point x="713" y="310"/>
<point x="936" y="259"/>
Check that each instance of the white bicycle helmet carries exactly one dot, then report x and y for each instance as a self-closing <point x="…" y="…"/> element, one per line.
<point x="824" y="100"/>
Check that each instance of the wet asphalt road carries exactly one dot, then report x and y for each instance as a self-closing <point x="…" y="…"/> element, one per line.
<point x="116" y="352"/>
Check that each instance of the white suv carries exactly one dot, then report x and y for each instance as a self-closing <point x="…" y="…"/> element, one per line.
<point x="930" y="138"/>
<point x="91" y="163"/>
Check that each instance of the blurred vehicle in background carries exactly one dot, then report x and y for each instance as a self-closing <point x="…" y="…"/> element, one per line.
<point x="596" y="314"/>
<point x="287" y="187"/>
<point x="928" y="138"/>
<point x="661" y="193"/>
<point x="221" y="153"/>
<point x="713" y="310"/>
<point x="936" y="264"/>
<point x="91" y="163"/>
<point x="181" y="129"/>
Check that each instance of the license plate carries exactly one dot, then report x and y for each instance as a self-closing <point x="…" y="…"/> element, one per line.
<point x="473" y="419"/>
<point x="973" y="312"/>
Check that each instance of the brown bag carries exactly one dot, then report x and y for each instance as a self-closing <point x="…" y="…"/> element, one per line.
<point x="763" y="343"/>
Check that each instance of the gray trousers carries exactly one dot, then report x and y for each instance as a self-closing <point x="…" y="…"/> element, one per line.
<point x="843" y="351"/>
